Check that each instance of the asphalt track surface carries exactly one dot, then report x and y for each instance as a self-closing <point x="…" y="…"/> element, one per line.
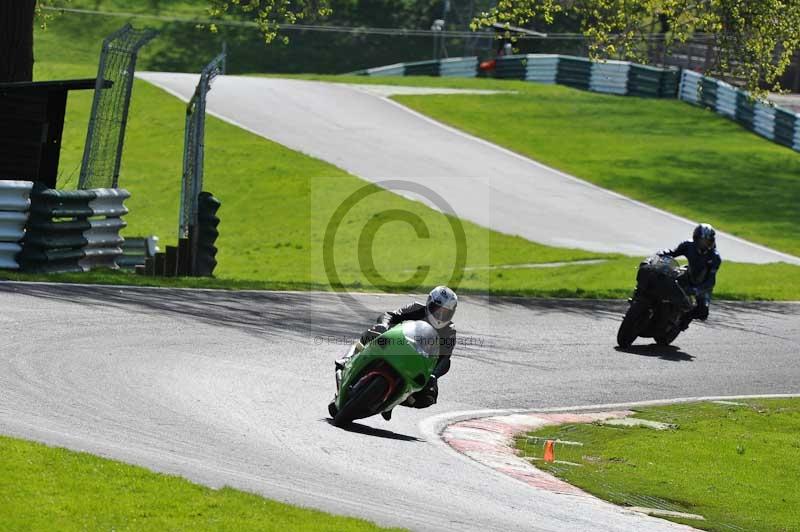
<point x="232" y="387"/>
<point x="359" y="130"/>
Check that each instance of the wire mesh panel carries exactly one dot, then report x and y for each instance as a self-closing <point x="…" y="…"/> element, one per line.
<point x="194" y="141"/>
<point x="104" y="138"/>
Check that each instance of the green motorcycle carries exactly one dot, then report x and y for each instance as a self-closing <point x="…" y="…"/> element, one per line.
<point x="380" y="376"/>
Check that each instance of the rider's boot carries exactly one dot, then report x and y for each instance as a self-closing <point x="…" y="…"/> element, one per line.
<point x="387" y="415"/>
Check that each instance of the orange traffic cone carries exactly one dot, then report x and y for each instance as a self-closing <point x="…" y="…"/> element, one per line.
<point x="549" y="451"/>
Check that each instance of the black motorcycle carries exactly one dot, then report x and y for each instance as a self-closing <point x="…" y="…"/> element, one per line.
<point x="660" y="305"/>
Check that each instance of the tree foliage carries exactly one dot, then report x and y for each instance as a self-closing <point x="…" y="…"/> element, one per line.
<point x="270" y="14"/>
<point x="751" y="40"/>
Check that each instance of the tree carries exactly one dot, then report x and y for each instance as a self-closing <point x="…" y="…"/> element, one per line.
<point x="752" y="40"/>
<point x="17" y="18"/>
<point x="271" y="14"/>
<point x="16" y="40"/>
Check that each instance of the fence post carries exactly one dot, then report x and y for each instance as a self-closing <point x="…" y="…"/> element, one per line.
<point x="193" y="154"/>
<point x="105" y="135"/>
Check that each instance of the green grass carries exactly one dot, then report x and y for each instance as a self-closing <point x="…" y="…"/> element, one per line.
<point x="47" y="488"/>
<point x="277" y="202"/>
<point x="734" y="465"/>
<point x="667" y="153"/>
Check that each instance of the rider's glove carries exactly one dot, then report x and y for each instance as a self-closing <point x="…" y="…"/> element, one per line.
<point x="379" y="329"/>
<point x="373" y="332"/>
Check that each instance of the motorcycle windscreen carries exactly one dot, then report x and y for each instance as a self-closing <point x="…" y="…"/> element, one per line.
<point x="423" y="337"/>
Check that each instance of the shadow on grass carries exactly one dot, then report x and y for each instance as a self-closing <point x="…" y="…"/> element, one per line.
<point x="358" y="428"/>
<point x="664" y="352"/>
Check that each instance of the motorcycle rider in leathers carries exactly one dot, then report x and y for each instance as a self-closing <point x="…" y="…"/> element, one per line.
<point x="438" y="310"/>
<point x="704" y="262"/>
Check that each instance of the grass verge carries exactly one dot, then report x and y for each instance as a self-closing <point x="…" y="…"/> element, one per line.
<point x="736" y="464"/>
<point x="277" y="202"/>
<point x="669" y="154"/>
<point x="613" y="279"/>
<point x="48" y="488"/>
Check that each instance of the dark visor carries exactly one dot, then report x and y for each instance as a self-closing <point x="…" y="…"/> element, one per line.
<point x="439" y="312"/>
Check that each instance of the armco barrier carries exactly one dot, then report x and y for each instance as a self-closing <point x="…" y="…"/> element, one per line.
<point x="14" y="206"/>
<point x="574" y="72"/>
<point x="688" y="90"/>
<point x="652" y="82"/>
<point x="610" y="77"/>
<point x="726" y="100"/>
<point x="769" y="121"/>
<point x="72" y="231"/>
<point x="459" y="67"/>
<point x="786" y="125"/>
<point x="764" y="120"/>
<point x="397" y="69"/>
<point x="613" y="77"/>
<point x="422" y="68"/>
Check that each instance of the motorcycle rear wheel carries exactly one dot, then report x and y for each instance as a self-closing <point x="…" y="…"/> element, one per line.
<point x="363" y="398"/>
<point x="631" y="324"/>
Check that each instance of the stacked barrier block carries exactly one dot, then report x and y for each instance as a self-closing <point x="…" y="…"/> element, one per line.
<point x="14" y="206"/>
<point x="745" y="109"/>
<point x="136" y="251"/>
<point x="73" y="231"/>
<point x="726" y="100"/>
<point x="511" y="67"/>
<point x="574" y="72"/>
<point x="610" y="77"/>
<point x="541" y="68"/>
<point x="459" y="67"/>
<point x="763" y="118"/>
<point x="708" y="92"/>
<point x="689" y="88"/>
<point x="785" y="127"/>
<point x="398" y="69"/>
<point x="422" y="68"/>
<point x="652" y="82"/>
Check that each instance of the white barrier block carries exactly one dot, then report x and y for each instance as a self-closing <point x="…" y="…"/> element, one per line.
<point x="15" y="195"/>
<point x="690" y="81"/>
<point x="397" y="69"/>
<point x="104" y="233"/>
<point x="12" y="226"/>
<point x="109" y="201"/>
<point x="8" y="255"/>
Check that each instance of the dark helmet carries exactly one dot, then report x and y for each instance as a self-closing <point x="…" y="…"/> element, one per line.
<point x="705" y="237"/>
<point x="441" y="306"/>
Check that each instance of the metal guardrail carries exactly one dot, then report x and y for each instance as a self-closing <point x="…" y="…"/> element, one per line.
<point x="73" y="231"/>
<point x="613" y="77"/>
<point x="14" y="206"/>
<point x="772" y="122"/>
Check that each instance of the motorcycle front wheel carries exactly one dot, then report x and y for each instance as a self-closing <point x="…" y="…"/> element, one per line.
<point x="668" y="338"/>
<point x="364" y="398"/>
<point x="631" y="324"/>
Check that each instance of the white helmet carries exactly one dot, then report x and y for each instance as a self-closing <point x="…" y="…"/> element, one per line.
<point x="441" y="306"/>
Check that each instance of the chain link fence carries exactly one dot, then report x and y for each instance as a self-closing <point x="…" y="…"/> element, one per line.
<point x="104" y="138"/>
<point x="194" y="143"/>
